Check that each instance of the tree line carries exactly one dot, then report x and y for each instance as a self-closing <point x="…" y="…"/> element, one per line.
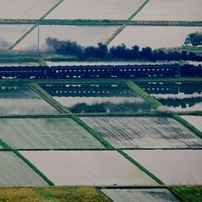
<point x="101" y="51"/>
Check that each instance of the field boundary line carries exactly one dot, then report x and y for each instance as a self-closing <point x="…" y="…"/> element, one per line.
<point x="6" y="147"/>
<point x="120" y="29"/>
<point x="51" y="9"/>
<point x="105" y="22"/>
<point x="142" y="168"/>
<point x="48" y="98"/>
<point x="92" y="132"/>
<point x="22" y="37"/>
<point x="32" y="166"/>
<point x="33" y="27"/>
<point x="144" y="94"/>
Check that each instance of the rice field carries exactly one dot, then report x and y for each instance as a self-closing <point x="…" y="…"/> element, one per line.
<point x="24" y="101"/>
<point x="153" y="36"/>
<point x="87" y="168"/>
<point x="14" y="172"/>
<point x="11" y="33"/>
<point x="139" y="195"/>
<point x="171" y="10"/>
<point x="51" y="133"/>
<point x="98" y="98"/>
<point x="194" y="120"/>
<point x="95" y="9"/>
<point x="143" y="132"/>
<point x="173" y="167"/>
<point x="83" y="35"/>
<point x="25" y="9"/>
<point x="179" y="96"/>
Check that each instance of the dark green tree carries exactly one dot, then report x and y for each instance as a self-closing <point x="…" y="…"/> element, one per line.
<point x="195" y="39"/>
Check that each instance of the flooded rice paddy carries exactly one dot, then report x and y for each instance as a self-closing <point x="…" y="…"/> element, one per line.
<point x="140" y="195"/>
<point x="196" y="121"/>
<point x="143" y="132"/>
<point x="50" y="133"/>
<point x="173" y="167"/>
<point x="177" y="96"/>
<point x="95" y="9"/>
<point x="88" y="168"/>
<point x="15" y="172"/>
<point x="144" y="36"/>
<point x="100" y="98"/>
<point x="23" y="100"/>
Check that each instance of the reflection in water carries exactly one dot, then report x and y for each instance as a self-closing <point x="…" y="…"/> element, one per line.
<point x="108" y="107"/>
<point x="177" y="96"/>
<point x="106" y="98"/>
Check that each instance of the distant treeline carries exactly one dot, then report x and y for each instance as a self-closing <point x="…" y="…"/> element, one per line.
<point x="116" y="52"/>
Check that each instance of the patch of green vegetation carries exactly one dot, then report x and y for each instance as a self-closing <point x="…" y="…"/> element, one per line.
<point x="49" y="98"/>
<point x="188" y="193"/>
<point x="141" y="167"/>
<point x="92" y="132"/>
<point x="144" y="94"/>
<point x="72" y="193"/>
<point x="187" y="125"/>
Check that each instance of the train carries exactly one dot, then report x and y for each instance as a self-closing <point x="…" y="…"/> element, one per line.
<point x="101" y="71"/>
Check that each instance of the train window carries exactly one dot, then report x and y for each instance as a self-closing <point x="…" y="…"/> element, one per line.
<point x="124" y="70"/>
<point x="153" y="69"/>
<point x="75" y="70"/>
<point x="138" y="69"/>
<point x="134" y="70"/>
<point x="162" y="69"/>
<point x="89" y="70"/>
<point x="84" y="70"/>
<point x="157" y="69"/>
<point x="143" y="69"/>
<point x="70" y="70"/>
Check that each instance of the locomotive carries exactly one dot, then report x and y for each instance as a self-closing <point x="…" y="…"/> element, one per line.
<point x="101" y="71"/>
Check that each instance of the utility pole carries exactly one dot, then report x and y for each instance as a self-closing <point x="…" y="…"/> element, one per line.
<point x="38" y="38"/>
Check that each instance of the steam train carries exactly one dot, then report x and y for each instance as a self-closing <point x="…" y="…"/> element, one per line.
<point x="100" y="71"/>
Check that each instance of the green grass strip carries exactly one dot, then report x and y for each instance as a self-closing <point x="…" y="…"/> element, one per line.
<point x="33" y="167"/>
<point x="141" y="167"/>
<point x="57" y="4"/>
<point x="92" y="132"/>
<point x="188" y="193"/>
<point x="33" y="27"/>
<point x="138" y="10"/>
<point x="49" y="98"/>
<point x="22" y="37"/>
<point x="125" y="24"/>
<point x="144" y="94"/>
<point x="46" y="195"/>
<point x="4" y="145"/>
<point x="187" y="125"/>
